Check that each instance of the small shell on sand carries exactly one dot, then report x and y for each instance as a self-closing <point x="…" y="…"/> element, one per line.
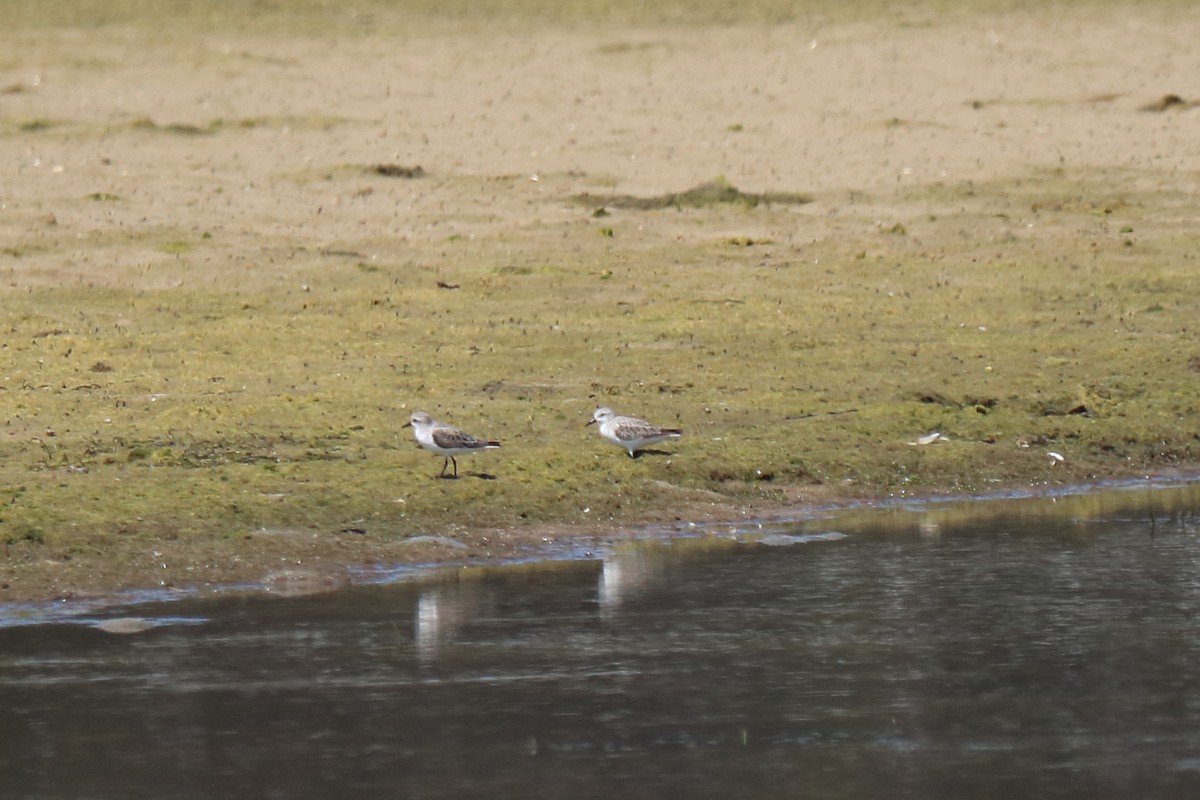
<point x="125" y="625"/>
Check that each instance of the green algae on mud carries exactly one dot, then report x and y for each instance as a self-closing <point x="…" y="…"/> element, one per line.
<point x="165" y="414"/>
<point x="709" y="193"/>
<point x="371" y="17"/>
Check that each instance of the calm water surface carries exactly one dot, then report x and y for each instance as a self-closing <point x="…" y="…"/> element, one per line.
<point x="1025" y="649"/>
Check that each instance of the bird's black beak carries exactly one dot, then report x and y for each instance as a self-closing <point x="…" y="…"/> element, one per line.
<point x="407" y="424"/>
<point x="589" y="422"/>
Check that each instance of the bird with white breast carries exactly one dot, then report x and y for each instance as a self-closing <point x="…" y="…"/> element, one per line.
<point x="630" y="433"/>
<point x="445" y="440"/>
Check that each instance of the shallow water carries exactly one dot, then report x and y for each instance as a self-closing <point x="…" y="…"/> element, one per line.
<point x="1026" y="648"/>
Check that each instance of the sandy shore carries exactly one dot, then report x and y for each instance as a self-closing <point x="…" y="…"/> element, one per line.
<point x="124" y="142"/>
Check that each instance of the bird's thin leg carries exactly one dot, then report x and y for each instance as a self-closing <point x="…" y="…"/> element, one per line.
<point x="454" y="461"/>
<point x="445" y="463"/>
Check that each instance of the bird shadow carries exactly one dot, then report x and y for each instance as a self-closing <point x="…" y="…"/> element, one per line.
<point x="483" y="476"/>
<point x="640" y="453"/>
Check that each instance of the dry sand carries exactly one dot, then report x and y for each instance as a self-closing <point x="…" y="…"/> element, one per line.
<point x="834" y="110"/>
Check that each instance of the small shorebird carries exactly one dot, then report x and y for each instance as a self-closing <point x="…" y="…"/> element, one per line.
<point x="445" y="440"/>
<point x="629" y="432"/>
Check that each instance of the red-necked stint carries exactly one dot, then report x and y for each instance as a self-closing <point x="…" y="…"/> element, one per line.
<point x="629" y="432"/>
<point x="445" y="440"/>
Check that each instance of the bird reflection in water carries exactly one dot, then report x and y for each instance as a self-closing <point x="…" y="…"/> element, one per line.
<point x="444" y="609"/>
<point x="448" y="606"/>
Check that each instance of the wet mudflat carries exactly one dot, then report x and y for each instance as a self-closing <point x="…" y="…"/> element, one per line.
<point x="1038" y="648"/>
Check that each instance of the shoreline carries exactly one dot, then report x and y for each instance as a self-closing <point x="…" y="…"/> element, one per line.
<point x="852" y="257"/>
<point x="417" y="556"/>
